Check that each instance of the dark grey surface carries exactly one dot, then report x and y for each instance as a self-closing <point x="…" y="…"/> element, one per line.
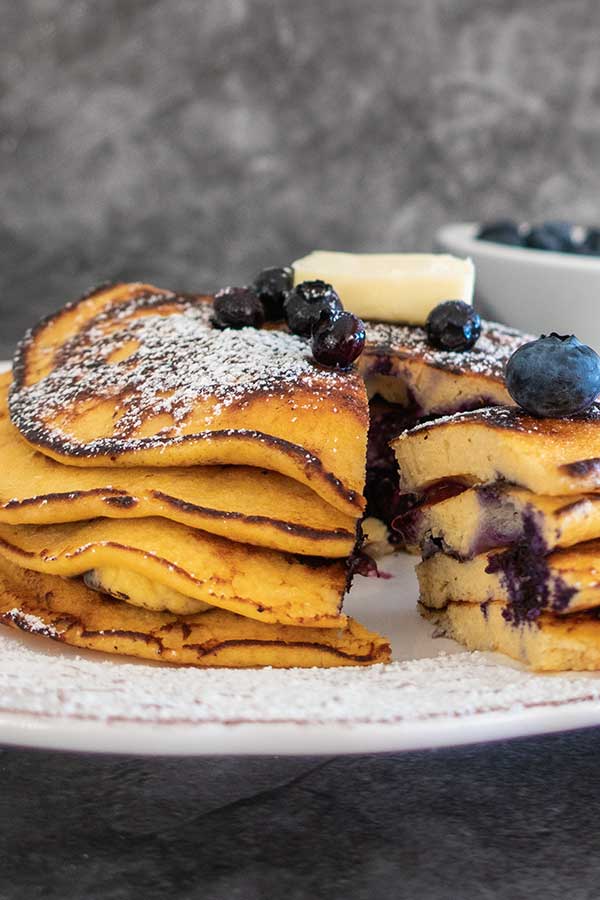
<point x="510" y="821"/>
<point x="190" y="143"/>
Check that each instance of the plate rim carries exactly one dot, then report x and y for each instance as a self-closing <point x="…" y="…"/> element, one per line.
<point x="291" y="739"/>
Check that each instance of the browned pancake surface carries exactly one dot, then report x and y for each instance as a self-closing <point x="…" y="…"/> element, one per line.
<point x="138" y="376"/>
<point x="67" y="611"/>
<point x="487" y="358"/>
<point x="254" y="506"/>
<point x="546" y="456"/>
<point x="262" y="584"/>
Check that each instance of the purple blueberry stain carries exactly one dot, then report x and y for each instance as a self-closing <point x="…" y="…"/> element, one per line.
<point x="384" y="498"/>
<point x="524" y="573"/>
<point x="561" y="595"/>
<point x="360" y="563"/>
<point x="503" y="525"/>
<point x="380" y="365"/>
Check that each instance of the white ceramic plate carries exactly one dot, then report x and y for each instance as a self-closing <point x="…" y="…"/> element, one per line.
<point x="434" y="694"/>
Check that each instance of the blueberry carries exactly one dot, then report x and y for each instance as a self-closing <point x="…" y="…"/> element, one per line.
<point x="237" y="307"/>
<point x="338" y="341"/>
<point x="453" y="325"/>
<point x="561" y="237"/>
<point x="307" y="303"/>
<point x="505" y="231"/>
<point x="556" y="375"/>
<point x="271" y="286"/>
<point x="591" y="242"/>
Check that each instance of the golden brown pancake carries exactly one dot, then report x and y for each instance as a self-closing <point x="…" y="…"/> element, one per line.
<point x="262" y="584"/>
<point x="134" y="376"/>
<point x="400" y="365"/>
<point x="550" y="644"/>
<point x="546" y="456"/>
<point x="67" y="611"/>
<point x="254" y="506"/>
<point x="565" y="581"/>
<point x="484" y="517"/>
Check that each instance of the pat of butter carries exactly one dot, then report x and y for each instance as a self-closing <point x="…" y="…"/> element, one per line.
<point x="390" y="287"/>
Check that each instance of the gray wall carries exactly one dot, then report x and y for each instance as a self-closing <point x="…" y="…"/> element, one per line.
<point x="191" y="143"/>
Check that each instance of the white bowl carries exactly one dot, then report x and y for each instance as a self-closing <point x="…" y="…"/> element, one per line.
<point x="535" y="290"/>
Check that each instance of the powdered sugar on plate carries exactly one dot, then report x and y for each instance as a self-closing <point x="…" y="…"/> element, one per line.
<point x="464" y="684"/>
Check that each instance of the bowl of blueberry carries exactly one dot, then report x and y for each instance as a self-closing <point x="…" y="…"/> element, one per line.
<point x="540" y="277"/>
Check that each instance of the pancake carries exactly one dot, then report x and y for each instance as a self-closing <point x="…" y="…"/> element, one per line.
<point x="565" y="581"/>
<point x="134" y="376"/>
<point x="550" y="644"/>
<point x="262" y="584"/>
<point x="546" y="456"/>
<point x="241" y="503"/>
<point x="484" y="517"/>
<point x="67" y="611"/>
<point x="400" y="365"/>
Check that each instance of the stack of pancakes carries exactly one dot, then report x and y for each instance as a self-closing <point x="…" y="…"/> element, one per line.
<point x="178" y="492"/>
<point x="511" y="556"/>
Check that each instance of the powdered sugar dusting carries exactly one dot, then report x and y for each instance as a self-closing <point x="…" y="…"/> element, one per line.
<point x="485" y="414"/>
<point x="445" y="686"/>
<point x="507" y="417"/>
<point x="30" y="623"/>
<point x="166" y="364"/>
<point x="488" y="357"/>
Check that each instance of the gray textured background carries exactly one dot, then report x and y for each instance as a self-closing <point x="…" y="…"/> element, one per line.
<point x="510" y="821"/>
<point x="191" y="142"/>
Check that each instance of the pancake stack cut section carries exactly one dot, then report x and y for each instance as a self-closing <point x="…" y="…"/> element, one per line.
<point x="509" y="532"/>
<point x="408" y="380"/>
<point x="179" y="492"/>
